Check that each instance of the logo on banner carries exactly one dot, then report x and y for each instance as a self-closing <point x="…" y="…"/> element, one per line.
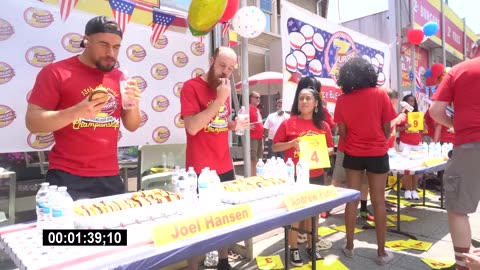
<point x="143" y="118"/>
<point x="197" y="48"/>
<point x="161" y="134"/>
<point x="136" y="53"/>
<point x="40" y="140"/>
<point x="180" y="59"/>
<point x="159" y="71"/>
<point x="141" y="82"/>
<point x="160" y="103"/>
<point x="6" y="30"/>
<point x="6" y="73"/>
<point x="340" y="48"/>
<point x="178" y="121"/>
<point x="39" y="56"/>
<point x="197" y="72"/>
<point x="177" y="89"/>
<point x="71" y="42"/>
<point x="161" y="43"/>
<point x="7" y="115"/>
<point x="38" y="18"/>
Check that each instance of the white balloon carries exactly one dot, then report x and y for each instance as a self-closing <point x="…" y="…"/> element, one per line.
<point x="249" y="22"/>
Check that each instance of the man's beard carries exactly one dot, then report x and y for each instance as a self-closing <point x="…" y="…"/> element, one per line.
<point x="105" y="68"/>
<point x="212" y="80"/>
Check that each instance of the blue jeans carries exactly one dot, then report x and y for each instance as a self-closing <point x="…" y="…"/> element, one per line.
<point x="270" y="151"/>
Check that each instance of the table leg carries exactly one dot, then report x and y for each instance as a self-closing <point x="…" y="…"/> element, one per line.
<point x="314" y="241"/>
<point x="125" y="179"/>
<point x="287" y="248"/>
<point x="424" y="195"/>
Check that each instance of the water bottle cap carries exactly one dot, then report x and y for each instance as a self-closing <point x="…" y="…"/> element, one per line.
<point x="53" y="187"/>
<point x="45" y="184"/>
<point x="62" y="188"/>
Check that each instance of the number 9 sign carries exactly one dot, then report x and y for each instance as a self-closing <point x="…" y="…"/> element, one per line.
<point x="415" y="119"/>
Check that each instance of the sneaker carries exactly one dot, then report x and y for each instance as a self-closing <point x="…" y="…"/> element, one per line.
<point x="318" y="256"/>
<point x="407" y="195"/>
<point x="415" y="195"/>
<point x="366" y="215"/>
<point x="295" y="258"/>
<point x="223" y="265"/>
<point x="324" y="244"/>
<point x="384" y="260"/>
<point x="325" y="214"/>
<point x="348" y="252"/>
<point x="301" y="238"/>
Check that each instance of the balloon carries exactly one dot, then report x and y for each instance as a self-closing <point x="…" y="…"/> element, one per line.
<point x="431" y="81"/>
<point x="437" y="69"/>
<point x="204" y="14"/>
<point x="428" y="73"/>
<point x="230" y="10"/>
<point x="415" y="36"/>
<point x="249" y="22"/>
<point x="430" y="28"/>
<point x="195" y="32"/>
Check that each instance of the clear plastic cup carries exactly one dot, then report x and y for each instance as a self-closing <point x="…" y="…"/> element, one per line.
<point x="127" y="102"/>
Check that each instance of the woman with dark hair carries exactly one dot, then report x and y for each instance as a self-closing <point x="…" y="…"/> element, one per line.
<point x="306" y="119"/>
<point x="363" y="114"/>
<point x="409" y="140"/>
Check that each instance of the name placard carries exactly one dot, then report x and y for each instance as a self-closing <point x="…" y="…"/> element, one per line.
<point x="182" y="229"/>
<point x="302" y="199"/>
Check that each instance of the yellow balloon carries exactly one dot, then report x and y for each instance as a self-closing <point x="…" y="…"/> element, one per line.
<point x="204" y="14"/>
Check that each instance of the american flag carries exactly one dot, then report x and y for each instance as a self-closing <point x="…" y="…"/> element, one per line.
<point x="65" y="7"/>
<point x="160" y="22"/>
<point x="225" y="28"/>
<point x="122" y="11"/>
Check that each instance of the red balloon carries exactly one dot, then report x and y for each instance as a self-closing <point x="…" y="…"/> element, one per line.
<point x="431" y="81"/>
<point x="230" y="10"/>
<point x="415" y="36"/>
<point x="437" y="69"/>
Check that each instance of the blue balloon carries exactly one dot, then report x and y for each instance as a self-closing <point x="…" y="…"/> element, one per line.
<point x="428" y="73"/>
<point x="430" y="28"/>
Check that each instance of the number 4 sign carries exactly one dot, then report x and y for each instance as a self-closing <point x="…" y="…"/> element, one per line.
<point x="415" y="119"/>
<point x="314" y="150"/>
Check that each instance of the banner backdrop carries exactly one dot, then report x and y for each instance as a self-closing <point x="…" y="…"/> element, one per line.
<point x="314" y="46"/>
<point x="34" y="34"/>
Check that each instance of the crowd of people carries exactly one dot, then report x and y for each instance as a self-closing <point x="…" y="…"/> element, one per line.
<point x="62" y="97"/>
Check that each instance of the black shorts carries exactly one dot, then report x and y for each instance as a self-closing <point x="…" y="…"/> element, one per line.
<point x="227" y="176"/>
<point x="375" y="164"/>
<point x="318" y="180"/>
<point x="80" y="187"/>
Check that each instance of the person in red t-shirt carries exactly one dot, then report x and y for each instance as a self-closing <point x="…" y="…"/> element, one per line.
<point x="256" y="132"/>
<point x="306" y="119"/>
<point x="409" y="140"/>
<point x="365" y="143"/>
<point x="461" y="86"/>
<point x="85" y="125"/>
<point x="205" y="109"/>
<point x="439" y="133"/>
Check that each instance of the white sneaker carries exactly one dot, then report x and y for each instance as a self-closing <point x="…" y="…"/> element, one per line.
<point x="407" y="195"/>
<point x="384" y="260"/>
<point x="415" y="195"/>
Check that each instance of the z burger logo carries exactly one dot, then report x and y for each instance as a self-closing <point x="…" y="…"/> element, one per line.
<point x="136" y="53"/>
<point x="40" y="140"/>
<point x="159" y="71"/>
<point x="161" y="134"/>
<point x="161" y="43"/>
<point x="180" y="59"/>
<point x="197" y="48"/>
<point x="160" y="103"/>
<point x="177" y="89"/>
<point x="39" y="56"/>
<point x="197" y="72"/>
<point x="6" y="73"/>
<point x="71" y="42"/>
<point x="143" y="118"/>
<point x="38" y="18"/>
<point x="6" y="30"/>
<point x="178" y="121"/>
<point x="141" y="83"/>
<point x="7" y="115"/>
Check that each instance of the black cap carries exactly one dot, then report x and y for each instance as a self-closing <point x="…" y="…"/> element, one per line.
<point x="101" y="24"/>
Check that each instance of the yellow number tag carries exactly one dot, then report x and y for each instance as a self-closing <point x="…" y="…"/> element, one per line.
<point x="415" y="119"/>
<point x="314" y="150"/>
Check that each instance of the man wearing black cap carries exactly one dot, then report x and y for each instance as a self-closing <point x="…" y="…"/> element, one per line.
<point x="79" y="100"/>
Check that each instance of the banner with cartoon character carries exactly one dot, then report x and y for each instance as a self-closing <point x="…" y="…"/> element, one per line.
<point x="313" y="46"/>
<point x="36" y="33"/>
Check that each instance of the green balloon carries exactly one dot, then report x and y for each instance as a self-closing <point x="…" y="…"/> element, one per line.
<point x="195" y="32"/>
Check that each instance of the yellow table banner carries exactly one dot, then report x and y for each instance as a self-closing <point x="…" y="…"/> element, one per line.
<point x="177" y="230"/>
<point x="301" y="199"/>
<point x="314" y="150"/>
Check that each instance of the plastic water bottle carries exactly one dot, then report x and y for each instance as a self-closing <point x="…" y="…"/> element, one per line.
<point x="303" y="172"/>
<point x="47" y="209"/>
<point x="192" y="183"/>
<point x="203" y="185"/>
<point x="170" y="160"/>
<point x="267" y="169"/>
<point x="39" y="200"/>
<point x="260" y="168"/>
<point x="431" y="150"/>
<point x="183" y="187"/>
<point x="438" y="150"/>
<point x="281" y="169"/>
<point x="444" y="149"/>
<point x="214" y="187"/>
<point x="424" y="148"/>
<point x="174" y="179"/>
<point x="211" y="259"/>
<point x="62" y="209"/>
<point x="242" y="114"/>
<point x="290" y="172"/>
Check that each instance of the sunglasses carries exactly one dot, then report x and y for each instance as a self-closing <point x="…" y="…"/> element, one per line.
<point x="255" y="97"/>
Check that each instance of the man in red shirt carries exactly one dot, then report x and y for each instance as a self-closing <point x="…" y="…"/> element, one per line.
<point x="461" y="85"/>
<point x="256" y="132"/>
<point x="85" y="126"/>
<point x="205" y="109"/>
